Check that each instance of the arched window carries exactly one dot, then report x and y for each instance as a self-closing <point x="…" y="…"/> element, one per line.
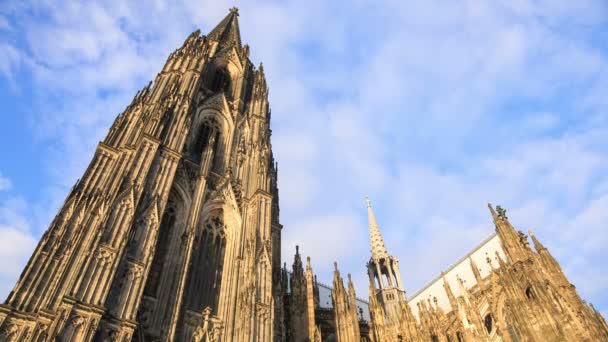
<point x="221" y="81"/>
<point x="488" y="323"/>
<point x="208" y="129"/>
<point x="162" y="247"/>
<point x="460" y="337"/>
<point x="530" y="293"/>
<point x="434" y="338"/>
<point x="208" y="261"/>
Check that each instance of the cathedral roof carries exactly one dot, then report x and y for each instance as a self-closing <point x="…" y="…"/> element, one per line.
<point x="227" y="31"/>
<point x="378" y="248"/>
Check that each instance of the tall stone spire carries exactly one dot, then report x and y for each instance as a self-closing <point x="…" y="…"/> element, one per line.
<point x="144" y="247"/>
<point x="513" y="242"/>
<point x="383" y="271"/>
<point x="227" y="31"/>
<point x="378" y="248"/>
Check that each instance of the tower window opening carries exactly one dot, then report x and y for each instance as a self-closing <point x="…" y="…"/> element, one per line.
<point x="221" y="81"/>
<point x="208" y="129"/>
<point x="459" y="337"/>
<point x="162" y="247"/>
<point x="488" y="323"/>
<point x="530" y="293"/>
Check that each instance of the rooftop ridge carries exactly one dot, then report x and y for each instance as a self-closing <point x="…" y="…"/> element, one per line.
<point x="330" y="288"/>
<point x="452" y="266"/>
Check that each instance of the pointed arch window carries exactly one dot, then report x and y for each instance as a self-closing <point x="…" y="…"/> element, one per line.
<point x="221" y="81"/>
<point x="162" y="246"/>
<point x="205" y="283"/>
<point x="209" y="128"/>
<point x="530" y="293"/>
<point x="488" y="323"/>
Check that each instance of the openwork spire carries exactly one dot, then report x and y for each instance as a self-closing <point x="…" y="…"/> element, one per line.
<point x="378" y="248"/>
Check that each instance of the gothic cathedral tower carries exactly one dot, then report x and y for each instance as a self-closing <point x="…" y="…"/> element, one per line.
<point x="383" y="271"/>
<point x="173" y="231"/>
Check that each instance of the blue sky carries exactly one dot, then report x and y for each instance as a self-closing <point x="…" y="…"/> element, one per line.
<point x="432" y="108"/>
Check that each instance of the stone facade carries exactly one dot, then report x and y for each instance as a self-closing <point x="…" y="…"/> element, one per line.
<point x="524" y="297"/>
<point x="521" y="294"/>
<point x="173" y="231"/>
<point x="173" y="234"/>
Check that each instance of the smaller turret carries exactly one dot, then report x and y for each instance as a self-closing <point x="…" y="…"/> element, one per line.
<point x="448" y="290"/>
<point x="383" y="270"/>
<point x="548" y="262"/>
<point x="512" y="242"/>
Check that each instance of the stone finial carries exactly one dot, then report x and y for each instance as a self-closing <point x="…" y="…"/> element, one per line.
<point x="234" y="10"/>
<point x="502" y="213"/>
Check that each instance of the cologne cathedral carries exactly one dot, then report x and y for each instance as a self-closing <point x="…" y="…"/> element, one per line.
<point x="173" y="234"/>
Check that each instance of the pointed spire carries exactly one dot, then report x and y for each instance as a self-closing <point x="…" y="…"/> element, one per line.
<point x="463" y="290"/>
<point x="475" y="270"/>
<point x="494" y="216"/>
<point x="537" y="245"/>
<point x="227" y="31"/>
<point x="449" y="292"/>
<point x="297" y="261"/>
<point x="378" y="248"/>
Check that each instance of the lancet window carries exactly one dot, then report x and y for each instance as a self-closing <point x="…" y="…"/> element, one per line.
<point x="530" y="293"/>
<point x="488" y="323"/>
<point x="221" y="81"/>
<point x="209" y="262"/>
<point x="162" y="247"/>
<point x="209" y="132"/>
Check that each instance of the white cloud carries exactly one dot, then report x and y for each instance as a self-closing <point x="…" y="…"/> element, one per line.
<point x="5" y="183"/>
<point x="16" y="242"/>
<point x="335" y="236"/>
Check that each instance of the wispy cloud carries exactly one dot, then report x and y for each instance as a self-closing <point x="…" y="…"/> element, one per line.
<point x="5" y="183"/>
<point x="16" y="241"/>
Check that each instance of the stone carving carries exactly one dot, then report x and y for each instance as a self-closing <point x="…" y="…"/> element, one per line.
<point x="210" y="329"/>
<point x="502" y="213"/>
<point x="106" y="268"/>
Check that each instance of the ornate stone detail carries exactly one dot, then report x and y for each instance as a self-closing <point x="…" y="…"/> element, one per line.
<point x="10" y="331"/>
<point x="194" y="149"/>
<point x="77" y="321"/>
<point x="502" y="213"/>
<point x="210" y="329"/>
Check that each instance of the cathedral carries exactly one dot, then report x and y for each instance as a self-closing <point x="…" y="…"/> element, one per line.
<point x="173" y="234"/>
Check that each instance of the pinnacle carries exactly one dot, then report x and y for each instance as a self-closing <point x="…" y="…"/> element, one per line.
<point x="377" y="243"/>
<point x="227" y="31"/>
